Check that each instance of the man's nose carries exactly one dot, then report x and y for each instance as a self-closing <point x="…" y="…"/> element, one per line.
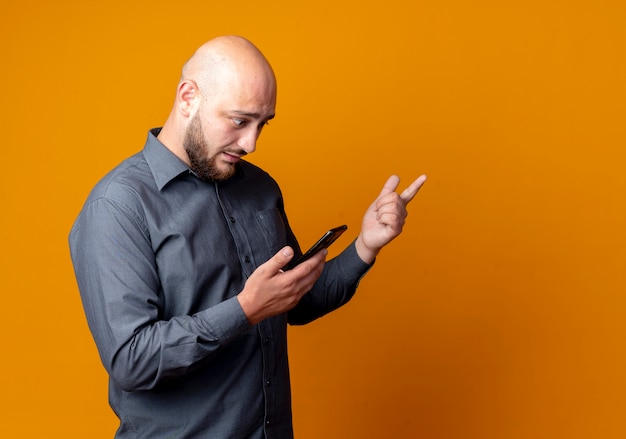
<point x="247" y="142"/>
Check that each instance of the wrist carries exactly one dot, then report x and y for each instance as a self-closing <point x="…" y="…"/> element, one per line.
<point x="248" y="308"/>
<point x="366" y="253"/>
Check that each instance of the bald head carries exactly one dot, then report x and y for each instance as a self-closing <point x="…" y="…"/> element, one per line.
<point x="226" y="94"/>
<point x="224" y="58"/>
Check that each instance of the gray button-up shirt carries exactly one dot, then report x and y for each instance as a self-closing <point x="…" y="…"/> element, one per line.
<point x="159" y="257"/>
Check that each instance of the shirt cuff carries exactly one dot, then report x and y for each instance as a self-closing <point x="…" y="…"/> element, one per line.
<point x="225" y="321"/>
<point x="351" y="266"/>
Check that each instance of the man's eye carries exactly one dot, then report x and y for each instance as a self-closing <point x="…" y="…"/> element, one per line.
<point x="239" y="122"/>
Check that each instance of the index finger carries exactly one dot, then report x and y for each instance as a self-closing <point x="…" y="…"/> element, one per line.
<point x="410" y="192"/>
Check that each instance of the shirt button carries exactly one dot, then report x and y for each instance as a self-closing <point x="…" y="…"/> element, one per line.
<point x="267" y="340"/>
<point x="267" y="383"/>
<point x="232" y="219"/>
<point x="247" y="259"/>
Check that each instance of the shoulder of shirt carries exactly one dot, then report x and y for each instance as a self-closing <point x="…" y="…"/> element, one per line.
<point x="129" y="178"/>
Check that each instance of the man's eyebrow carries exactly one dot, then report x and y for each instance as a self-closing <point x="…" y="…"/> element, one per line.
<point x="251" y="115"/>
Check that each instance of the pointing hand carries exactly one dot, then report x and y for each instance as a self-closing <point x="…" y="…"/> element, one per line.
<point x="385" y="217"/>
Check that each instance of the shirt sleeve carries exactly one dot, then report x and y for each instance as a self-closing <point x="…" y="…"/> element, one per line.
<point x="119" y="285"/>
<point x="334" y="288"/>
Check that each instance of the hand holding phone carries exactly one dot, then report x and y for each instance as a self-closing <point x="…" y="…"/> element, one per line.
<point x="326" y="240"/>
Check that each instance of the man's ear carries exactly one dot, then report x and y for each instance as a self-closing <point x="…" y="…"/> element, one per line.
<point x="188" y="95"/>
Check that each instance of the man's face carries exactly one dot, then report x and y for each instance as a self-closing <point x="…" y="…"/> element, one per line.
<point x="227" y="126"/>
<point x="203" y="157"/>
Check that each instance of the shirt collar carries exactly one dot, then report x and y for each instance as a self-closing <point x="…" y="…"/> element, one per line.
<point x="163" y="163"/>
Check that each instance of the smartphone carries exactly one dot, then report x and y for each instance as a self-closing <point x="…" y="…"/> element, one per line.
<point x="326" y="240"/>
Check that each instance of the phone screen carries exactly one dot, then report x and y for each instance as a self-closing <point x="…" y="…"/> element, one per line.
<point x="326" y="240"/>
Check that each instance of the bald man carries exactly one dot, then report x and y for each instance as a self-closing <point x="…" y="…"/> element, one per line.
<point x="179" y="254"/>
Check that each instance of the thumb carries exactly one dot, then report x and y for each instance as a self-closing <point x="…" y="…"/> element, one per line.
<point x="390" y="185"/>
<point x="282" y="258"/>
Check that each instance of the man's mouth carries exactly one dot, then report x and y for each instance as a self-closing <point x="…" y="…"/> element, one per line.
<point x="233" y="156"/>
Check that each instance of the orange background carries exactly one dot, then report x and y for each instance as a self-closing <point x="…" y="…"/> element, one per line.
<point x="500" y="311"/>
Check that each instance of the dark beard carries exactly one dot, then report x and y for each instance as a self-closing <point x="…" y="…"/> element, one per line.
<point x="197" y="150"/>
